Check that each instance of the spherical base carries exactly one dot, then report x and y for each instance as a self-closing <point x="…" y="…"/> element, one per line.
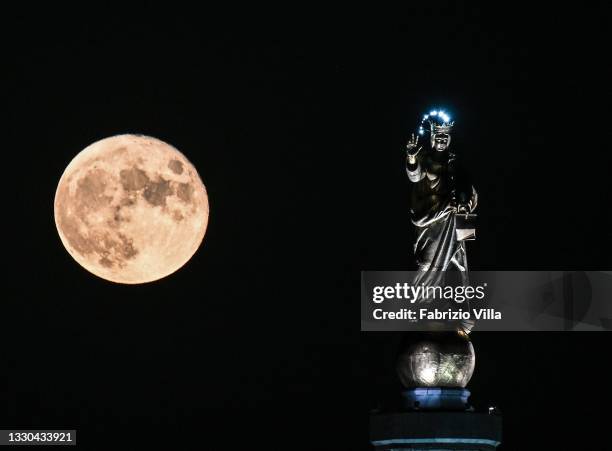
<point x="436" y="359"/>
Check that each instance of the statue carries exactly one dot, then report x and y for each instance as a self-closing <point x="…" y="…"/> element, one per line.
<point x="442" y="204"/>
<point x="442" y="210"/>
<point x="439" y="195"/>
<point x="435" y="365"/>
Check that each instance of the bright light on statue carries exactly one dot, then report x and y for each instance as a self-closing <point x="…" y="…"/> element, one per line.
<point x="428" y="374"/>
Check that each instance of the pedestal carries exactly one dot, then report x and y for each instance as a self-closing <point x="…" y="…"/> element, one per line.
<point x="436" y="419"/>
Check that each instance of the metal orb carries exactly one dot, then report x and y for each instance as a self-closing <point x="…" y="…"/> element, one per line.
<point x="437" y="359"/>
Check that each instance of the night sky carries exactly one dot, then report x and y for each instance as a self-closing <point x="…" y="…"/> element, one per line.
<point x="297" y="128"/>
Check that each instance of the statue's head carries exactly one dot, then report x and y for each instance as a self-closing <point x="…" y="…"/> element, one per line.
<point x="440" y="126"/>
<point x="440" y="141"/>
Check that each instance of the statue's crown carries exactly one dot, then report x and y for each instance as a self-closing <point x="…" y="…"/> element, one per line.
<point x="439" y="122"/>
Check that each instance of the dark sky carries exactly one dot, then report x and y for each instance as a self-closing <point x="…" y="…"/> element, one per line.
<point x="297" y="129"/>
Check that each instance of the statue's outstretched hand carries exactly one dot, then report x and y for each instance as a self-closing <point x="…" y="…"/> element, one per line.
<point x="412" y="149"/>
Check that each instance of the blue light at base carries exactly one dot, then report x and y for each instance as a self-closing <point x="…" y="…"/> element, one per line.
<point x="436" y="398"/>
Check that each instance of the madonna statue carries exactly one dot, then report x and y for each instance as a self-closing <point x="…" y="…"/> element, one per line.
<point x="442" y="203"/>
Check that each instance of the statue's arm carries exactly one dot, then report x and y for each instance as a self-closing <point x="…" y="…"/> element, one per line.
<point x="466" y="195"/>
<point x="414" y="170"/>
<point x="413" y="163"/>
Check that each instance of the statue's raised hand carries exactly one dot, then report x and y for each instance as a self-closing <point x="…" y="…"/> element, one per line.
<point x="413" y="149"/>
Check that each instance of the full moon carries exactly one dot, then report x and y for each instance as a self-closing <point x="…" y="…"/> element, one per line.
<point x="131" y="209"/>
